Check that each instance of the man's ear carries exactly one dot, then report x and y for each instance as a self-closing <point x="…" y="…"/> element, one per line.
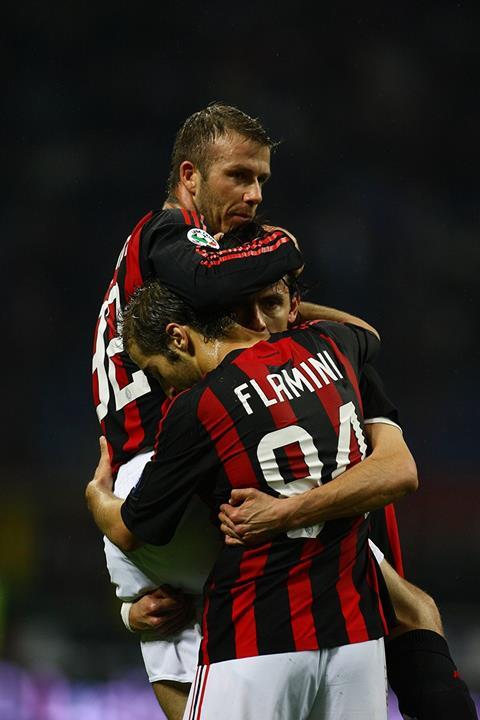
<point x="294" y="306"/>
<point x="178" y="337"/>
<point x="188" y="176"/>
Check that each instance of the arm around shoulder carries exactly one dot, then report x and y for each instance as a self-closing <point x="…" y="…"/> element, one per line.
<point x="312" y="311"/>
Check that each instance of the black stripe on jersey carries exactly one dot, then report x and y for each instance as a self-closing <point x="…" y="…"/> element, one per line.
<point x="221" y="643"/>
<point x="329" y="622"/>
<point x="368" y="595"/>
<point x="272" y="605"/>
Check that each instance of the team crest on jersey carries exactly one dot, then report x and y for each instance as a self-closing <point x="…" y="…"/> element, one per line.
<point x="200" y="237"/>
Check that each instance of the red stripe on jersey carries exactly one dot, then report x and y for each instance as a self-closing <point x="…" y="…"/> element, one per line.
<point x="196" y="219"/>
<point x="300" y="598"/>
<point x="250" y="364"/>
<point x="134" y="428"/>
<point x="218" y="259"/>
<point x="133" y="276"/>
<point x="186" y="216"/>
<point x="204" y="642"/>
<point x="394" y="539"/>
<point x="230" y="449"/>
<point x="243" y="596"/>
<point x="349" y="597"/>
<point x="296" y="461"/>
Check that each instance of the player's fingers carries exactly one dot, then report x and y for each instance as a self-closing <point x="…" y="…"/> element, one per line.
<point x="225" y="516"/>
<point x="240" y="495"/>
<point x="104" y="456"/>
<point x="103" y="469"/>
<point x="229" y="531"/>
<point x="233" y="541"/>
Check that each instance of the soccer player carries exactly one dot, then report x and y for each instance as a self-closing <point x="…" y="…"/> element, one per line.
<point x="284" y="622"/>
<point x="220" y="161"/>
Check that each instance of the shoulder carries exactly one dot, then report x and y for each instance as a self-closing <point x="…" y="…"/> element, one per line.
<point x="163" y="219"/>
<point x="341" y="332"/>
<point x="351" y="341"/>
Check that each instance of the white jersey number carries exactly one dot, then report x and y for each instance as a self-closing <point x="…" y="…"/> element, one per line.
<point x="107" y="379"/>
<point x="296" y="434"/>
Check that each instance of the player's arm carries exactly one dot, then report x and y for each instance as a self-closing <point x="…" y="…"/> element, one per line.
<point x="204" y="274"/>
<point x="105" y="506"/>
<point x="311" y="311"/>
<point x="386" y="475"/>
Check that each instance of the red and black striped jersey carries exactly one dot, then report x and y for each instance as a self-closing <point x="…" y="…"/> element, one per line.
<point x="283" y="416"/>
<point x="175" y="247"/>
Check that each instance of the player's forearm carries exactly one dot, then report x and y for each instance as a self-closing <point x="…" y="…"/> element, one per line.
<point x="311" y="311"/>
<point x="105" y="508"/>
<point x="373" y="483"/>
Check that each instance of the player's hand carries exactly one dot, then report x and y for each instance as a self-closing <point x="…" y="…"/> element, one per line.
<point x="271" y="228"/>
<point x="251" y="517"/>
<point x="165" y="610"/>
<point x="103" y="473"/>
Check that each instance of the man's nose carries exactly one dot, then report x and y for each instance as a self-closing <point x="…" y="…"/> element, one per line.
<point x="256" y="320"/>
<point x="253" y="194"/>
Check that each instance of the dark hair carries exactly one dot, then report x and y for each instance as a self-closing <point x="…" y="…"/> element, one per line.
<point x="201" y="129"/>
<point x="153" y="306"/>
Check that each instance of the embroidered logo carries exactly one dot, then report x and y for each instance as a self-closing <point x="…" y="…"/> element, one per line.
<point x="200" y="237"/>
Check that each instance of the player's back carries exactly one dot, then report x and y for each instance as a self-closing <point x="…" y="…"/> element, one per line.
<point x="286" y="416"/>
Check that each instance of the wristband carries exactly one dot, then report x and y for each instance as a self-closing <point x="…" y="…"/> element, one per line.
<point x="125" y="612"/>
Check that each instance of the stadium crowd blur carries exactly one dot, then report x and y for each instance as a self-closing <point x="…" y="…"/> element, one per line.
<point x="378" y="175"/>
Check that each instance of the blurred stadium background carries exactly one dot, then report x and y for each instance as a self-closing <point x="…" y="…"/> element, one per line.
<point x="378" y="176"/>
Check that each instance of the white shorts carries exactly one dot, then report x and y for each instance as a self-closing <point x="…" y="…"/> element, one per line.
<point x="172" y="659"/>
<point x="184" y="563"/>
<point x="344" y="683"/>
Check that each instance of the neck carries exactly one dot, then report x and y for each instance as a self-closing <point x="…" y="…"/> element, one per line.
<point x="210" y="354"/>
<point x="180" y="198"/>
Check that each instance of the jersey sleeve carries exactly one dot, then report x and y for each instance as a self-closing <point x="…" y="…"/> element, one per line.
<point x="183" y="461"/>
<point x="191" y="263"/>
<point x="377" y="406"/>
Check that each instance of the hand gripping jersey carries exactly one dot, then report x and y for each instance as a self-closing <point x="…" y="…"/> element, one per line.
<point x="174" y="247"/>
<point x="282" y="416"/>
